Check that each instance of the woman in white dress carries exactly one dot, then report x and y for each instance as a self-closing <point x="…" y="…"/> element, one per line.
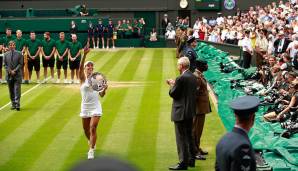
<point x="91" y="110"/>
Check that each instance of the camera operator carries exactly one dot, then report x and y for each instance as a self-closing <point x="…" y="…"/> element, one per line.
<point x="290" y="102"/>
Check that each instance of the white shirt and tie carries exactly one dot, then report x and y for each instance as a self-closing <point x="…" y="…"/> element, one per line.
<point x="246" y="45"/>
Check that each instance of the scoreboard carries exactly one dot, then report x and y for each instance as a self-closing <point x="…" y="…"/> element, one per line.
<point x="208" y="5"/>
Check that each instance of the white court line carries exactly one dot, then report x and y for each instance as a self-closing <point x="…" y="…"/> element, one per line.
<point x="26" y="92"/>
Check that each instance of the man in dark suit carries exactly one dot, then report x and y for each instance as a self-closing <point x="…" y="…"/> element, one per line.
<point x="281" y="43"/>
<point x="13" y="62"/>
<point x="234" y="151"/>
<point x="190" y="52"/>
<point x="164" y="23"/>
<point x="183" y="92"/>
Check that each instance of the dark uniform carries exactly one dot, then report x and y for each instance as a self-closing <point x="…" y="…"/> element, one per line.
<point x="110" y="30"/>
<point x="62" y="46"/>
<point x="99" y="30"/>
<point x="90" y="31"/>
<point x="191" y="54"/>
<point x="234" y="151"/>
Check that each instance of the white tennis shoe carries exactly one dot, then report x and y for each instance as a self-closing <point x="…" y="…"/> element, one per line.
<point x="90" y="154"/>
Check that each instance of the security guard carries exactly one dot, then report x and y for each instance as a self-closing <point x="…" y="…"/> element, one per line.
<point x="190" y="52"/>
<point x="234" y="151"/>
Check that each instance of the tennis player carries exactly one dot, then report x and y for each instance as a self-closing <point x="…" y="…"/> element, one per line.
<point x="91" y="109"/>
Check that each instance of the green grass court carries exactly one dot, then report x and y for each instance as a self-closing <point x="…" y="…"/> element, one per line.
<point x="47" y="133"/>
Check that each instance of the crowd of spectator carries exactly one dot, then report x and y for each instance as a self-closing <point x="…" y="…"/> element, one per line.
<point x="268" y="34"/>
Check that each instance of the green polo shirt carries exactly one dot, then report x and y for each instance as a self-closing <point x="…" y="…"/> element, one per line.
<point x="20" y="43"/>
<point x="74" y="48"/>
<point x="7" y="39"/>
<point x="61" y="47"/>
<point x="124" y="26"/>
<point x="33" y="46"/>
<point x="140" y="25"/>
<point x="48" y="46"/>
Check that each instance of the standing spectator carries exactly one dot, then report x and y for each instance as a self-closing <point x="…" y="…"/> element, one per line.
<point x="48" y="60"/>
<point x="62" y="47"/>
<point x="74" y="56"/>
<point x="153" y="35"/>
<point x="91" y="31"/>
<point x="196" y="28"/>
<point x="34" y="48"/>
<point x="73" y="27"/>
<point x="164" y="23"/>
<point x="247" y="50"/>
<point x="13" y="62"/>
<point x="182" y="90"/>
<point x="291" y="48"/>
<point x="100" y="36"/>
<point x="261" y="48"/>
<point x="110" y="30"/>
<point x="84" y="11"/>
<point x="203" y="31"/>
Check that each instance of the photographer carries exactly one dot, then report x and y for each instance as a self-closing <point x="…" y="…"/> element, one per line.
<point x="284" y="114"/>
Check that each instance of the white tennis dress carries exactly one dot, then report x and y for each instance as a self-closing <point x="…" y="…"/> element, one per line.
<point x="90" y="105"/>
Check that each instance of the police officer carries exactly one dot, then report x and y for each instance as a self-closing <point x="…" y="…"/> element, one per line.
<point x="234" y="151"/>
<point x="190" y="52"/>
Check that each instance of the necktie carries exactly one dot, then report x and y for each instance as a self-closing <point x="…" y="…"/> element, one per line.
<point x="280" y="46"/>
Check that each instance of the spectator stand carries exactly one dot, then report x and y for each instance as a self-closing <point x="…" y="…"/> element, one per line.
<point x="56" y="21"/>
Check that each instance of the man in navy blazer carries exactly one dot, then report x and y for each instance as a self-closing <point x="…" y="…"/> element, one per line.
<point x="183" y="92"/>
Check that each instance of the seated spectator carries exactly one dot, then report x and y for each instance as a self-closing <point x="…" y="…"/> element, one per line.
<point x="119" y="29"/>
<point x="169" y="27"/>
<point x="84" y="11"/>
<point x="124" y="28"/>
<point x="135" y="29"/>
<point x="290" y="102"/>
<point x="153" y="35"/>
<point x="171" y="35"/>
<point x="129" y="29"/>
<point x="287" y="64"/>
